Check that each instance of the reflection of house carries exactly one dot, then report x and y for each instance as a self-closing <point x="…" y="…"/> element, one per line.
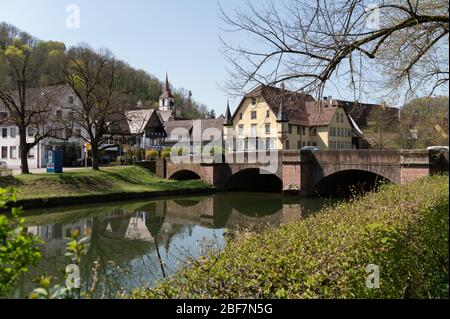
<point x="137" y="228"/>
<point x="55" y="236"/>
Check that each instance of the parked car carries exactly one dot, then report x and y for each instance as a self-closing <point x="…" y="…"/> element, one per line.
<point x="310" y="148"/>
<point x="3" y="165"/>
<point x="438" y="148"/>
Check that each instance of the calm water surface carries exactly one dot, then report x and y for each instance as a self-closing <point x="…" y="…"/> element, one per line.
<point x="132" y="243"/>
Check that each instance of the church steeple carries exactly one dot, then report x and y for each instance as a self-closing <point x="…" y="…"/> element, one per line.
<point x="166" y="100"/>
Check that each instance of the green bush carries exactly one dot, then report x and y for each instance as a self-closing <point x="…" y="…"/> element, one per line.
<point x="402" y="229"/>
<point x="18" y="251"/>
<point x="151" y="154"/>
<point x="165" y="153"/>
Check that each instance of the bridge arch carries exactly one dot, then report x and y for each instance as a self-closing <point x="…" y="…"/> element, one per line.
<point x="349" y="182"/>
<point x="184" y="175"/>
<point x="255" y="179"/>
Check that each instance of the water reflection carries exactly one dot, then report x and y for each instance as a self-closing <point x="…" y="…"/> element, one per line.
<point x="137" y="243"/>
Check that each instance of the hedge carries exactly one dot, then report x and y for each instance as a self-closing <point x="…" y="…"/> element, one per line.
<point x="402" y="228"/>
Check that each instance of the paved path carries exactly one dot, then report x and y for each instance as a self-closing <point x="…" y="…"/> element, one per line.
<point x="43" y="170"/>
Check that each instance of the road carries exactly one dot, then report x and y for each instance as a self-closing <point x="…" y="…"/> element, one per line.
<point x="16" y="171"/>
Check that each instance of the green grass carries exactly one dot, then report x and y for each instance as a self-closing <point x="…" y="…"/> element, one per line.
<point x="85" y="182"/>
<point x="402" y="228"/>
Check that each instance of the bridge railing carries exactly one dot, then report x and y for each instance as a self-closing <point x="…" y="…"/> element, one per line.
<point x="362" y="156"/>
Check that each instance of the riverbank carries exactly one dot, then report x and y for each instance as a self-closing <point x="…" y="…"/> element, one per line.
<point x="88" y="186"/>
<point x="402" y="231"/>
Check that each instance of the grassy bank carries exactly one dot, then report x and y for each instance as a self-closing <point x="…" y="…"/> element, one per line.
<point x="402" y="229"/>
<point x="86" y="183"/>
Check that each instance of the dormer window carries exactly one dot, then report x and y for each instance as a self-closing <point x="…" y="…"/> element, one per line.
<point x="71" y="99"/>
<point x="253" y="101"/>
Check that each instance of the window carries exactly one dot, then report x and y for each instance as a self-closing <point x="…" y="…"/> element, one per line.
<point x="330" y="131"/>
<point x="245" y="144"/>
<point x="77" y="132"/>
<point x="12" y="132"/>
<point x="31" y="153"/>
<point x="314" y="144"/>
<point x="290" y="128"/>
<point x="253" y="130"/>
<point x="339" y="131"/>
<point x="303" y="130"/>
<point x="4" y="151"/>
<point x="71" y="99"/>
<point x="253" y="101"/>
<point x="303" y="143"/>
<point x="240" y="116"/>
<point x="334" y="132"/>
<point x="299" y="144"/>
<point x="267" y="114"/>
<point x="240" y="145"/>
<point x="342" y="118"/>
<point x="253" y="115"/>
<point x="30" y="131"/>
<point x="59" y="114"/>
<point x="241" y="129"/>
<point x="13" y="152"/>
<point x="4" y="132"/>
<point x="309" y="143"/>
<point x="267" y="128"/>
<point x="287" y="144"/>
<point x="268" y="143"/>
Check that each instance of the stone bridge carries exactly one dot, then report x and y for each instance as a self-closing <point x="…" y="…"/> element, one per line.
<point x="306" y="172"/>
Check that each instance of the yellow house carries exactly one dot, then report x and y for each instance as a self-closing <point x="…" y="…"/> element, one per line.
<point x="274" y="118"/>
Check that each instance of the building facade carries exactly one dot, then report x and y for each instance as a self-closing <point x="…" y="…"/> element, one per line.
<point x="62" y="100"/>
<point x="274" y="118"/>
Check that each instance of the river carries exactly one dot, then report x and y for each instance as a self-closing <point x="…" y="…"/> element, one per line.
<point x="132" y="244"/>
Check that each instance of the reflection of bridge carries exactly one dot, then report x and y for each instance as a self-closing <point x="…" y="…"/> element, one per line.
<point x="304" y="172"/>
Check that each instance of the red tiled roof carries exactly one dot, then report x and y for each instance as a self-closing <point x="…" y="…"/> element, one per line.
<point x="294" y="103"/>
<point x="320" y="113"/>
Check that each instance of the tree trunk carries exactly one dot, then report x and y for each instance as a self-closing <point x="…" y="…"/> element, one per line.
<point x="23" y="150"/>
<point x="95" y="155"/>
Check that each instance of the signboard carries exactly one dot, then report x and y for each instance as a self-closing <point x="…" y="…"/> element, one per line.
<point x="55" y="161"/>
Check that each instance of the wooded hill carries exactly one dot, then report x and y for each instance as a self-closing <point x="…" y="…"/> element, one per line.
<point x="46" y="68"/>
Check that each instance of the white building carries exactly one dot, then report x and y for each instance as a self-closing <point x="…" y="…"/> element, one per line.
<point x="63" y="99"/>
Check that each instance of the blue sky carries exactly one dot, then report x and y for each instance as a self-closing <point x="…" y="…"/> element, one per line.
<point x="175" y="36"/>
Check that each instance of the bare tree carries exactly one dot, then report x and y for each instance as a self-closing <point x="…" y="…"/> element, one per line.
<point x="94" y="77"/>
<point x="382" y="128"/>
<point x="23" y="105"/>
<point x="400" y="44"/>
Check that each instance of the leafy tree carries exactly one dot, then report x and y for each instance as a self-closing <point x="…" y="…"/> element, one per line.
<point x="18" y="250"/>
<point x="428" y="119"/>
